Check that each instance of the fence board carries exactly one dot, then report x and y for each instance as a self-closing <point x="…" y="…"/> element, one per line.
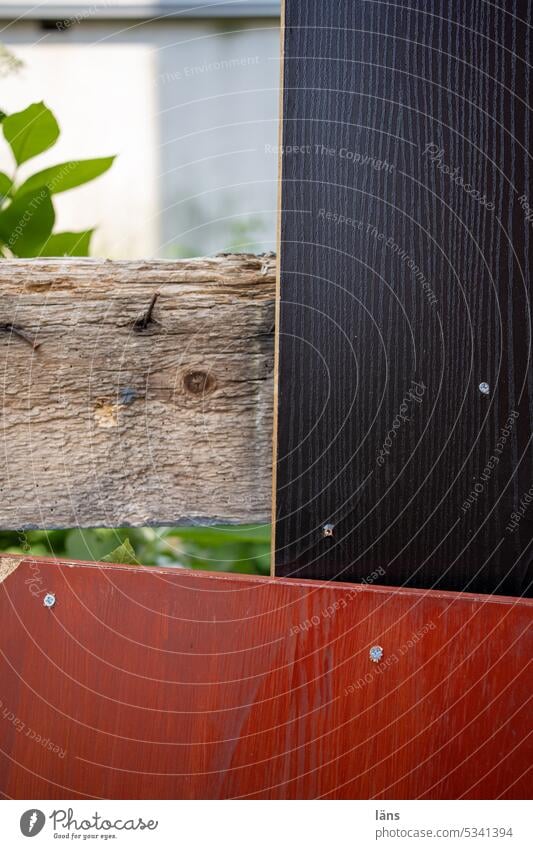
<point x="115" y="420"/>
<point x="160" y="683"/>
<point x="405" y="378"/>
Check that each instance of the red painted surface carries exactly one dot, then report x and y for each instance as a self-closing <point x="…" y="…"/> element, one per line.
<point x="158" y="683"/>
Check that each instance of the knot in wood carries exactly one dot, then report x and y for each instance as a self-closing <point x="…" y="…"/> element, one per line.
<point x="199" y="383"/>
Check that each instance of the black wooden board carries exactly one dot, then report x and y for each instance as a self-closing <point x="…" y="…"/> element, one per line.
<point x="406" y="251"/>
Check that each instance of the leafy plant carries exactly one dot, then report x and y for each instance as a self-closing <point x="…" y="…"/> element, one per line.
<point x="217" y="549"/>
<point x="9" y="63"/>
<point x="27" y="214"/>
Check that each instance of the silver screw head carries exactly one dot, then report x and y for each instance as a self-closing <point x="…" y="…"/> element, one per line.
<point x="49" y="600"/>
<point x="484" y="388"/>
<point x="376" y="653"/>
<point x="327" y="531"/>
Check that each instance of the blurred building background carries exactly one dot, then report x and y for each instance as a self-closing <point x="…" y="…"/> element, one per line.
<point x="185" y="93"/>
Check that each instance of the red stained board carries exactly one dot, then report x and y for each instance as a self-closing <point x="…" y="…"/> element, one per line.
<point x="165" y="683"/>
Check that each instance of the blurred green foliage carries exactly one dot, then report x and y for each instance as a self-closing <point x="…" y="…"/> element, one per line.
<point x="27" y="218"/>
<point x="27" y="214"/>
<point x="243" y="235"/>
<point x="223" y="548"/>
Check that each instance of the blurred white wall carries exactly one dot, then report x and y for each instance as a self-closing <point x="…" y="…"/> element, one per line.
<point x="188" y="106"/>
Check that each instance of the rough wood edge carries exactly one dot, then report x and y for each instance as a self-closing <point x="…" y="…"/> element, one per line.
<point x="8" y="566"/>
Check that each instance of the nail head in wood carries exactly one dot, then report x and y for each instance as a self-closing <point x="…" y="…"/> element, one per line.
<point x="376" y="653"/>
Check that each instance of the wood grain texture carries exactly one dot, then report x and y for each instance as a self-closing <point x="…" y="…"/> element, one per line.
<point x="159" y="683"/>
<point x="113" y="420"/>
<point x="406" y="258"/>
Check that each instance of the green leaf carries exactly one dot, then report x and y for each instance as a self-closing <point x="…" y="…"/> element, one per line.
<point x="67" y="244"/>
<point x="30" y="132"/>
<point x="27" y="222"/>
<point x="123" y="554"/>
<point x="91" y="544"/>
<point x="68" y="175"/>
<point x="5" y="186"/>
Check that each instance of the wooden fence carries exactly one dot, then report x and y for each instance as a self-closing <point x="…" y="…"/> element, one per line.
<point x="142" y="392"/>
<point x="166" y="683"/>
<point x="136" y="392"/>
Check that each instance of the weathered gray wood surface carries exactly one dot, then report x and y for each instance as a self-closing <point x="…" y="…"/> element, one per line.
<point x="110" y="422"/>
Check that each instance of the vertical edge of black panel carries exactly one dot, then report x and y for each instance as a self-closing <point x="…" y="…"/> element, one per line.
<point x="278" y="290"/>
<point x="404" y="387"/>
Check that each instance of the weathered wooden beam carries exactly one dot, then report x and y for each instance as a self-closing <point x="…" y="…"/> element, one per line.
<point x="113" y="416"/>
